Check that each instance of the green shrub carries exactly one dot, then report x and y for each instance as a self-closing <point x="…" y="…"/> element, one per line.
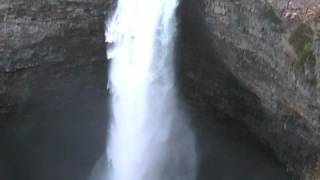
<point x="301" y="41"/>
<point x="271" y="15"/>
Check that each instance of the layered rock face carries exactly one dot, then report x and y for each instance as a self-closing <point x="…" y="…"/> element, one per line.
<point x="273" y="80"/>
<point x="52" y="88"/>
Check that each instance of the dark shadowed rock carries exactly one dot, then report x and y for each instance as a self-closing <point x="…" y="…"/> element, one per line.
<point x="253" y="73"/>
<point x="53" y="103"/>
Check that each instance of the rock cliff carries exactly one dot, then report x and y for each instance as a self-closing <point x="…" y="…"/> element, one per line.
<point x="260" y="68"/>
<point x="52" y="88"/>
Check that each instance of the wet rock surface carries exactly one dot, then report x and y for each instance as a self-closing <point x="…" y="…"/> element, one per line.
<point x="218" y="102"/>
<point x="277" y="96"/>
<point x="53" y="107"/>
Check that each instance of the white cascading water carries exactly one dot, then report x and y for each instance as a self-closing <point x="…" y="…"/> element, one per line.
<point x="148" y="138"/>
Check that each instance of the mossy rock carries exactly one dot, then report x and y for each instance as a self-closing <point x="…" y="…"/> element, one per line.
<point x="243" y="21"/>
<point x="271" y="15"/>
<point x="301" y="40"/>
<point x="318" y="27"/>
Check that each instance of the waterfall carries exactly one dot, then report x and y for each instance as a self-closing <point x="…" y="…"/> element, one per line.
<point x="149" y="138"/>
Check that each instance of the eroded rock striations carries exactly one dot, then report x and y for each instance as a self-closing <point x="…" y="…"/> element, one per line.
<point x="52" y="88"/>
<point x="276" y="62"/>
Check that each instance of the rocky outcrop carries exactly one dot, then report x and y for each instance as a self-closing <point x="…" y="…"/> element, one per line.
<point x="273" y="80"/>
<point x="52" y="88"/>
<point x="35" y="33"/>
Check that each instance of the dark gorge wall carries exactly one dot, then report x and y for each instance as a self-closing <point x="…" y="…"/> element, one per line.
<point x="218" y="103"/>
<point x="238" y="59"/>
<point x="52" y="88"/>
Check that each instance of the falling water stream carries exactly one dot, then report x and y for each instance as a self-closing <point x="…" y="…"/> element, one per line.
<point x="149" y="138"/>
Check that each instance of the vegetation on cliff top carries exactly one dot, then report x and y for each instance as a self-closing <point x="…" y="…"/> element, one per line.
<point x="305" y="10"/>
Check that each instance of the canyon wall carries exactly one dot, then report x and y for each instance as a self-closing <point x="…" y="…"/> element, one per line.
<point x="52" y="88"/>
<point x="261" y="69"/>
